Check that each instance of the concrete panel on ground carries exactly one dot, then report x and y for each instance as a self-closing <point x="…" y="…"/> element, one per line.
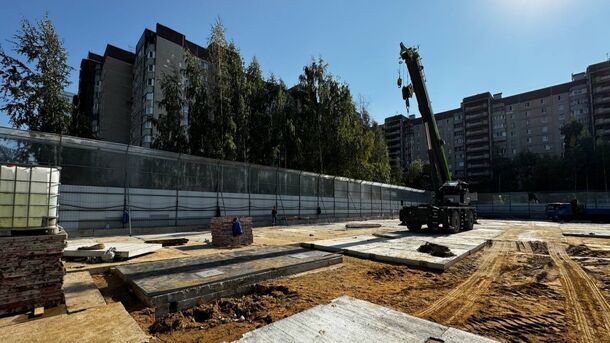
<point x="109" y="323"/>
<point x="349" y="320"/>
<point x="122" y="250"/>
<point x="81" y="293"/>
<point x="176" y="284"/>
<point x="588" y="233"/>
<point x="401" y="247"/>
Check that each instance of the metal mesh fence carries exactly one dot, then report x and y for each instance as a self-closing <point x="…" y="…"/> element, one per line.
<point x="169" y="189"/>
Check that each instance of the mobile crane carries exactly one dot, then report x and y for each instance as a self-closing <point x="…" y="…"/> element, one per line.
<point x="450" y="206"/>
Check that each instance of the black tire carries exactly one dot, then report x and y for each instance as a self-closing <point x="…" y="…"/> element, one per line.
<point x="414" y="226"/>
<point x="468" y="220"/>
<point x="455" y="222"/>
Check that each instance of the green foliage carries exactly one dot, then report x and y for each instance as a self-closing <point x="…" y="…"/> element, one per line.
<point x="32" y="86"/>
<point x="171" y="134"/>
<point x="584" y="166"/>
<point x="235" y="113"/>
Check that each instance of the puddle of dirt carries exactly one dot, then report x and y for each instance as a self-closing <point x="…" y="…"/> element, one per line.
<point x="435" y="250"/>
<point x="253" y="308"/>
<point x="539" y="247"/>
<point x="584" y="251"/>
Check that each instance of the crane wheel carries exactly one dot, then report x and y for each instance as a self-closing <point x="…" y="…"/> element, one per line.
<point x="468" y="220"/>
<point x="455" y="222"/>
<point x="414" y="226"/>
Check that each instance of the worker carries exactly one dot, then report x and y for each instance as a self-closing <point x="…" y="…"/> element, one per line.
<point x="273" y="216"/>
<point x="236" y="227"/>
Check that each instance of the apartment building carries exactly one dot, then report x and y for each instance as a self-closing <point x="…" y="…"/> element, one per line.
<point x="487" y="126"/>
<point x="121" y="90"/>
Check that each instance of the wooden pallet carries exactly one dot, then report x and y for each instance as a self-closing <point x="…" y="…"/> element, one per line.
<point x="29" y="231"/>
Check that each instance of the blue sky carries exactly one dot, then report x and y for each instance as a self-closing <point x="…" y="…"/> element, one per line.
<point x="468" y="46"/>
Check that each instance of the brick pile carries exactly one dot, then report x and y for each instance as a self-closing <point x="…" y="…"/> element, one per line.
<point x="31" y="272"/>
<point x="222" y="232"/>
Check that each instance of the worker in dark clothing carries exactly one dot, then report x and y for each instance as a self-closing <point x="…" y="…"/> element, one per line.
<point x="236" y="227"/>
<point x="273" y="216"/>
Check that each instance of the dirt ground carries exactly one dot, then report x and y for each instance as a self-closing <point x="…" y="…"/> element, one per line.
<point x="530" y="284"/>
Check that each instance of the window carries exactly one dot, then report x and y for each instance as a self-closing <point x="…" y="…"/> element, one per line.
<point x="545" y="129"/>
<point x="529" y="131"/>
<point x="510" y="108"/>
<point x="151" y="54"/>
<point x="527" y="104"/>
<point x="148" y="124"/>
<point x="514" y="151"/>
<point x="150" y="82"/>
<point x="560" y="107"/>
<point x="545" y="138"/>
<point x="147" y="139"/>
<point x="547" y="147"/>
<point x="544" y="120"/>
<point x="542" y="110"/>
<point x="542" y="101"/>
<point x="149" y="110"/>
<point x="559" y="97"/>
<point x="529" y="139"/>
<point x="527" y="113"/>
<point x="151" y="67"/>
<point x="148" y="96"/>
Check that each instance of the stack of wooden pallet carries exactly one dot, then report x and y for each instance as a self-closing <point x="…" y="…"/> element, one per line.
<point x="222" y="232"/>
<point x="31" y="272"/>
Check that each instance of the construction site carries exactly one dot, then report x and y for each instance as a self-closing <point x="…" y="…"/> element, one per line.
<point x="109" y="242"/>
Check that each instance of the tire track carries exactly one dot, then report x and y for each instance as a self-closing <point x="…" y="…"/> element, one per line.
<point x="459" y="303"/>
<point x="584" y="300"/>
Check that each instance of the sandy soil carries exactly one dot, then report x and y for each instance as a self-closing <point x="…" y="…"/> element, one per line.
<point x="529" y="285"/>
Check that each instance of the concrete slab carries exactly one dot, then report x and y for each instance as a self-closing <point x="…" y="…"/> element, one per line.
<point x="109" y="323"/>
<point x="350" y="320"/>
<point x="81" y="293"/>
<point x="124" y="250"/>
<point x="177" y="284"/>
<point x="401" y="247"/>
<point x="588" y="233"/>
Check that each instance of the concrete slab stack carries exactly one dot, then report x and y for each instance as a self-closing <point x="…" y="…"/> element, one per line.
<point x="31" y="272"/>
<point x="222" y="232"/>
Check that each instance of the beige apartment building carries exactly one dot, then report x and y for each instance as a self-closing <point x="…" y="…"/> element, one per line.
<point x="487" y="126"/>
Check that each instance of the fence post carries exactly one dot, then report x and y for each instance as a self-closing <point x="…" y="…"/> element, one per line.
<point x="249" y="170"/>
<point x="335" y="198"/>
<point x="360" y="199"/>
<point x="300" y="175"/>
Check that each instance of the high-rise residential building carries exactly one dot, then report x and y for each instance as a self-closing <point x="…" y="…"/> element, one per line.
<point x="487" y="126"/>
<point x="120" y="91"/>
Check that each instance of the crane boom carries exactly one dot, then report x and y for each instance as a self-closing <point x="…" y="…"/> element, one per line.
<point x="450" y="206"/>
<point x="436" y="152"/>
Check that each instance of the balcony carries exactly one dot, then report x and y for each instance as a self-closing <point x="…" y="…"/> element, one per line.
<point x="479" y="173"/>
<point x="601" y="89"/>
<point x="475" y="115"/>
<point x="475" y="108"/>
<point x="602" y="100"/>
<point x="477" y="123"/>
<point x="476" y="132"/>
<point x="477" y="148"/>
<point x="477" y="157"/>
<point x="602" y="121"/>
<point x="478" y="165"/>
<point x="602" y="132"/>
<point x="602" y="110"/>
<point x="602" y="78"/>
<point x="478" y="140"/>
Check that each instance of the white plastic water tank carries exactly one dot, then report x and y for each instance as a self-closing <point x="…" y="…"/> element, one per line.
<point x="27" y="194"/>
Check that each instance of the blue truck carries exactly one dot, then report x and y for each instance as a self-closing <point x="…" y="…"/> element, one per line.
<point x="568" y="211"/>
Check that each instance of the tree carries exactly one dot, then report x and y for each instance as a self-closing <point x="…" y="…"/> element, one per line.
<point x="201" y="127"/>
<point x="32" y="86"/>
<point x="171" y="135"/>
<point x="222" y="139"/>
